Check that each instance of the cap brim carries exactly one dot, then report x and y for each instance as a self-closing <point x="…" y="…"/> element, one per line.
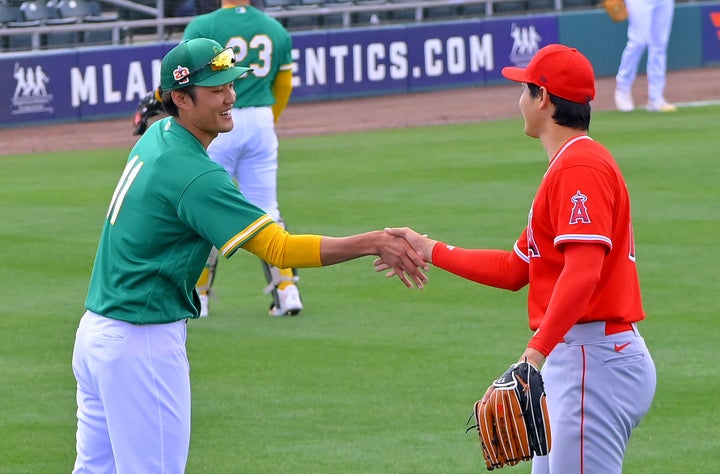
<point x="517" y="74"/>
<point x="224" y="77"/>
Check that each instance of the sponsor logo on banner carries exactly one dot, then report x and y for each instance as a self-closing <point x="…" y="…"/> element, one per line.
<point x="526" y="42"/>
<point x="715" y="18"/>
<point x="710" y="35"/>
<point x="31" y="95"/>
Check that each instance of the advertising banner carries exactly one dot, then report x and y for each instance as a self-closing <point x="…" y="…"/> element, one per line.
<point x="86" y="84"/>
<point x="349" y="63"/>
<point x="360" y="62"/>
<point x="107" y="82"/>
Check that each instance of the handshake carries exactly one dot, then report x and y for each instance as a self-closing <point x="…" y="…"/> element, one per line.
<point x="407" y="257"/>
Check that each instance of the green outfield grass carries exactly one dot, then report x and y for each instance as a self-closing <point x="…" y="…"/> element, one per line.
<point x="372" y="377"/>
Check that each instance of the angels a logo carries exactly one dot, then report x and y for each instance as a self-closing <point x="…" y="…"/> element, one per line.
<point x="526" y="42"/>
<point x="31" y="95"/>
<point x="180" y="74"/>
<point x="579" y="214"/>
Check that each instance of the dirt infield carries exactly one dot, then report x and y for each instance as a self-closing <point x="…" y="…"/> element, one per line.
<point x="326" y="117"/>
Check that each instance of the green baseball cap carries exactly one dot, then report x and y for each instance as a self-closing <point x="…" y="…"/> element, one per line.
<point x="199" y="61"/>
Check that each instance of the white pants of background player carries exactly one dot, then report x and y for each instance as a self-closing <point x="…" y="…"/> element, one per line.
<point x="598" y="389"/>
<point x="649" y="24"/>
<point x="133" y="397"/>
<point x="249" y="153"/>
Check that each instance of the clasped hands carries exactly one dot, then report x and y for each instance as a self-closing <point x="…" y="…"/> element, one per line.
<point x="410" y="264"/>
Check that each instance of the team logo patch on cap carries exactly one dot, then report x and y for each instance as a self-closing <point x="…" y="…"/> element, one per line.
<point x="180" y="74"/>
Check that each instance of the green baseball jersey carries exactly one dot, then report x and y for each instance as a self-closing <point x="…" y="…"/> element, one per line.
<point x="171" y="205"/>
<point x="260" y="42"/>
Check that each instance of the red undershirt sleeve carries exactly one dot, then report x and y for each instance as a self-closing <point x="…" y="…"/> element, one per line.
<point x="572" y="293"/>
<point x="496" y="268"/>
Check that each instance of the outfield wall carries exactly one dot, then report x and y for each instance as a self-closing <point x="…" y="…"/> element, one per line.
<point x="96" y="83"/>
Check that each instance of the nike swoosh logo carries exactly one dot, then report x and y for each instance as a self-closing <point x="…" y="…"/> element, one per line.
<point x="620" y="347"/>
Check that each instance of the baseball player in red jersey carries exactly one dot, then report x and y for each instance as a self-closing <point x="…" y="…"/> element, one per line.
<point x="577" y="255"/>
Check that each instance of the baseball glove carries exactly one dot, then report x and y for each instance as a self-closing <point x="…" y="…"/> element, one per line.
<point x="148" y="107"/>
<point x="513" y="424"/>
<point x="616" y="10"/>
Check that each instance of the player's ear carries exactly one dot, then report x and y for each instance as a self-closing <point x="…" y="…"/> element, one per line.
<point x="181" y="99"/>
<point x="543" y="93"/>
<point x="544" y="97"/>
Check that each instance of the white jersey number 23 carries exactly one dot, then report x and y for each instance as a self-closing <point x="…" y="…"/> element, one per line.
<point x="261" y="45"/>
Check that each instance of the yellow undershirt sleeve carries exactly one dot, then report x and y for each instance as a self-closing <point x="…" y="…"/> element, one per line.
<point x="281" y="89"/>
<point x="283" y="250"/>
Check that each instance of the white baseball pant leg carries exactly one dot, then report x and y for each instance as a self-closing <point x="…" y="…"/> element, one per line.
<point x="662" y="17"/>
<point x="249" y="153"/>
<point x="649" y="25"/>
<point x="133" y="397"/>
<point x="598" y="389"/>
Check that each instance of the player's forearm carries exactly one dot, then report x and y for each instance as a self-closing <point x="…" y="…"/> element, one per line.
<point x="571" y="296"/>
<point x="496" y="268"/>
<point x="335" y="250"/>
<point x="282" y="249"/>
<point x="277" y="247"/>
<point x="395" y="251"/>
<point x="329" y="250"/>
<point x="568" y="303"/>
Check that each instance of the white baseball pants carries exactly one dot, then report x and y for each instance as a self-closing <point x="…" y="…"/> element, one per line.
<point x="649" y="25"/>
<point x="249" y="153"/>
<point x="133" y="397"/>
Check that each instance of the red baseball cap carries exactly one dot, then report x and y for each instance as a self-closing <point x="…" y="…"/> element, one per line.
<point x="563" y="71"/>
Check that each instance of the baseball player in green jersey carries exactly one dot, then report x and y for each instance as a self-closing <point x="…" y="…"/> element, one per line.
<point x="171" y="205"/>
<point x="249" y="152"/>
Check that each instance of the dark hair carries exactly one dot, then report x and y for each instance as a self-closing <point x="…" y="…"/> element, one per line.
<point x="168" y="103"/>
<point x="567" y="113"/>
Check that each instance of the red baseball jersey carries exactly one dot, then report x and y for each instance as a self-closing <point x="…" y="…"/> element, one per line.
<point x="582" y="198"/>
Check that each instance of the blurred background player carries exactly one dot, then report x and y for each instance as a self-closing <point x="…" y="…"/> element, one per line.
<point x="649" y="25"/>
<point x="249" y="152"/>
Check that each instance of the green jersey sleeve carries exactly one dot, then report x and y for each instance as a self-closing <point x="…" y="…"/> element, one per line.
<point x="213" y="206"/>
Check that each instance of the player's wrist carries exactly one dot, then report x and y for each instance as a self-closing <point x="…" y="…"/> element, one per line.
<point x="532" y="356"/>
<point x="428" y="247"/>
<point x="436" y="248"/>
